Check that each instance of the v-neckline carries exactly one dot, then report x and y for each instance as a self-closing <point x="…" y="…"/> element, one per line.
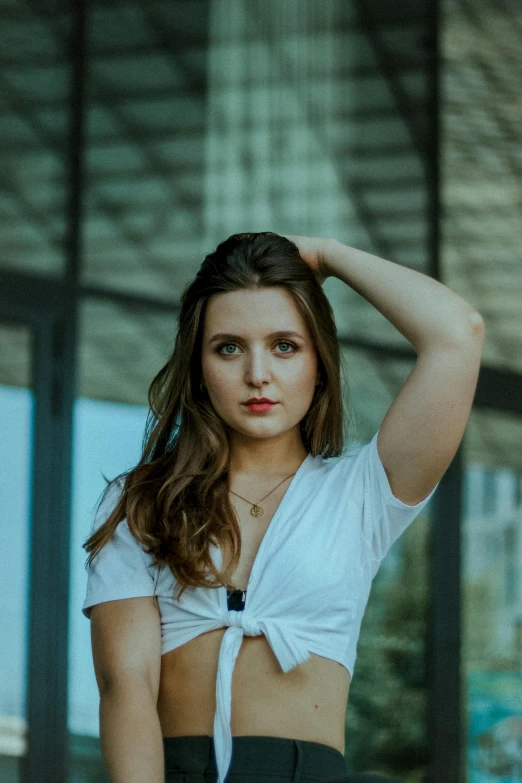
<point x="277" y="513"/>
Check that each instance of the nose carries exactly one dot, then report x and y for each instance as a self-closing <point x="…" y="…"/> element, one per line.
<point x="258" y="368"/>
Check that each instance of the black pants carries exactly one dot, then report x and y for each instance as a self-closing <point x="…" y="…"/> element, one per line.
<point x="258" y="759"/>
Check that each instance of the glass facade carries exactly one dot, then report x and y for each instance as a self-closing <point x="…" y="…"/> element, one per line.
<point x="16" y="426"/>
<point x="481" y="230"/>
<point x="109" y="419"/>
<point x="386" y="728"/>
<point x="34" y="127"/>
<point x="481" y="237"/>
<point x="144" y="221"/>
<point x="492" y="595"/>
<point x="136" y="137"/>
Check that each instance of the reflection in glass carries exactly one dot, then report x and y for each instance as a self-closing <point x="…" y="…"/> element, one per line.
<point x="16" y="426"/>
<point x="386" y="730"/>
<point x="34" y="127"/>
<point x="492" y="597"/>
<point x="120" y="351"/>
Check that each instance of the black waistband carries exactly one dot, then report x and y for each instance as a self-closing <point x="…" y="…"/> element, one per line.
<point x="267" y="757"/>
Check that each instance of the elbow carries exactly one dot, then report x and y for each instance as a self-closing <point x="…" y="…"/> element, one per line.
<point x="476" y="329"/>
<point x="477" y="323"/>
<point x="471" y="328"/>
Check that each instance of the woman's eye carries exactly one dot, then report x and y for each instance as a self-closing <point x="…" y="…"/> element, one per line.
<point x="225" y="346"/>
<point x="229" y="353"/>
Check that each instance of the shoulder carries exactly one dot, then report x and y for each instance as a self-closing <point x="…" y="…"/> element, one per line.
<point x="349" y="462"/>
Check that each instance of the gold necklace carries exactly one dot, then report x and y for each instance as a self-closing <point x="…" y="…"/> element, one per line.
<point x="256" y="509"/>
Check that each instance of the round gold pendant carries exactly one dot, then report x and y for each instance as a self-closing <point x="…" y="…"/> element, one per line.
<point x="256" y="511"/>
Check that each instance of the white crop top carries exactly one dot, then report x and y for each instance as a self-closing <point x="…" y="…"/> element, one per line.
<point x="322" y="549"/>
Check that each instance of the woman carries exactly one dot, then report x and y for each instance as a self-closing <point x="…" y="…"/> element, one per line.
<point x="245" y="554"/>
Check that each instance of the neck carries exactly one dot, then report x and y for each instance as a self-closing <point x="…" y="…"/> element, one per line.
<point x="266" y="457"/>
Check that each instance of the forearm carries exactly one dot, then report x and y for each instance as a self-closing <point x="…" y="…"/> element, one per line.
<point x="130" y="734"/>
<point x="423" y="310"/>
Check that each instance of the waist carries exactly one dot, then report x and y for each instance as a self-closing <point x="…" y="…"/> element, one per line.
<point x="306" y="703"/>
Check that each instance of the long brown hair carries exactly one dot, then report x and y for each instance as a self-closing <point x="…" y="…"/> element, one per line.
<point x="176" y="499"/>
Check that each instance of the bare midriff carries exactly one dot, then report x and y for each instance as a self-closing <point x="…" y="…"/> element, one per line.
<point x="306" y="703"/>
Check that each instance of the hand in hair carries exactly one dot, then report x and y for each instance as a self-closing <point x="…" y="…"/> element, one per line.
<point x="313" y="251"/>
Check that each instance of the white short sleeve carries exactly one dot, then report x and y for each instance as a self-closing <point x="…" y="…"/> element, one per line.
<point x="119" y="569"/>
<point x="384" y="517"/>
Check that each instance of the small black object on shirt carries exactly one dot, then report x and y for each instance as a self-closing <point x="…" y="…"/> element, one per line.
<point x="236" y="599"/>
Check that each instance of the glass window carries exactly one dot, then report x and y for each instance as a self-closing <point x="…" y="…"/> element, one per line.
<point x="492" y="596"/>
<point x="234" y="116"/>
<point x="145" y="146"/>
<point x="16" y="426"/>
<point x="120" y="351"/>
<point x="386" y="730"/>
<point x="34" y="130"/>
<point x="480" y="167"/>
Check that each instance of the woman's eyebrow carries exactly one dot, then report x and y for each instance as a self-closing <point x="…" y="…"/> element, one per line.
<point x="280" y="333"/>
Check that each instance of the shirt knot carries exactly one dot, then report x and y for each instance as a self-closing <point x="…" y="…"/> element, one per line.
<point x="249" y="625"/>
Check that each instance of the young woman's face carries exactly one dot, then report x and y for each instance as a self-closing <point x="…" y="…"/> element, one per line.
<point x="243" y="357"/>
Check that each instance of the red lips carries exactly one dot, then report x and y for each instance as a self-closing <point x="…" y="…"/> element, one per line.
<point x="258" y="399"/>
